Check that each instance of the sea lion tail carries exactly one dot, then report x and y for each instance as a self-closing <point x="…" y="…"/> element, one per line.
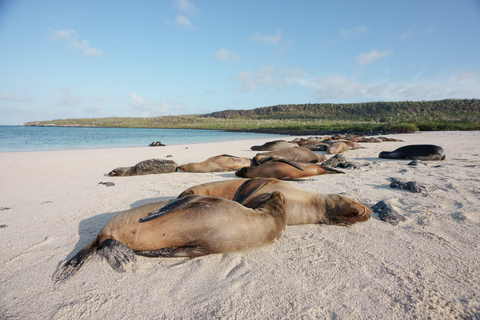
<point x="69" y="268"/>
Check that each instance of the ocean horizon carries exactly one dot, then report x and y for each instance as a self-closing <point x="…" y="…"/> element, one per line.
<point x="30" y="138"/>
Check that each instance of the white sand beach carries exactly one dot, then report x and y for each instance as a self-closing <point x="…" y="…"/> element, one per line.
<point x="426" y="267"/>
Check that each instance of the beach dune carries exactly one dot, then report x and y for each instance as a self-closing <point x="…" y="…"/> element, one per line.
<point x="52" y="204"/>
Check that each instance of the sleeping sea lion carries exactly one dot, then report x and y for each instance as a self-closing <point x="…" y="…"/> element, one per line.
<point x="192" y="226"/>
<point x="274" y="145"/>
<point x="284" y="170"/>
<point x="300" y="154"/>
<point x="220" y="163"/>
<point x="302" y="207"/>
<point x="151" y="166"/>
<point x="424" y="152"/>
<point x="337" y="147"/>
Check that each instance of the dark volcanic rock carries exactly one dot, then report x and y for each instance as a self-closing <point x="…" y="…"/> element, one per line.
<point x="413" y="186"/>
<point x="387" y="213"/>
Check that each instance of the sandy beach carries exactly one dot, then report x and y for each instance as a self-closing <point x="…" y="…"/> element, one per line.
<point x="425" y="267"/>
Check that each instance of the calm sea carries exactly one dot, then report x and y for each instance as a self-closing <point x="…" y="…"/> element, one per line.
<point x="20" y="138"/>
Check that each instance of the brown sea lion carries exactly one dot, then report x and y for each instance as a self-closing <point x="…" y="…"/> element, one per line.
<point x="220" y="163"/>
<point x="302" y="207"/>
<point x="151" y="166"/>
<point x="274" y="145"/>
<point x="300" y="154"/>
<point x="284" y="170"/>
<point x="192" y="226"/>
<point x="321" y="146"/>
<point x="337" y="147"/>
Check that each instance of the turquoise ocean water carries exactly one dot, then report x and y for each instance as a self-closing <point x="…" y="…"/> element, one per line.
<point x="20" y="138"/>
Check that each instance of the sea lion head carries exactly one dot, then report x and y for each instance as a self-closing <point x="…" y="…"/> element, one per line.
<point x="345" y="211"/>
<point x="242" y="172"/>
<point x="121" y="171"/>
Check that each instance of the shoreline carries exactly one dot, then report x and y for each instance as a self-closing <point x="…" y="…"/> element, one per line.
<point x="52" y="205"/>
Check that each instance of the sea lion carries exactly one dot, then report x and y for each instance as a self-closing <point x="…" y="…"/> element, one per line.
<point x="151" y="166"/>
<point x="300" y="154"/>
<point x="424" y="152"/>
<point x="220" y="163"/>
<point x="284" y="170"/>
<point x="302" y="207"/>
<point x="337" y="147"/>
<point x="274" y="145"/>
<point x="191" y="226"/>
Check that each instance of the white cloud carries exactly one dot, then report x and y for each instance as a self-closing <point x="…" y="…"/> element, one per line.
<point x="353" y="32"/>
<point x="366" y="58"/>
<point x="267" y="39"/>
<point x="147" y="107"/>
<point x="226" y="55"/>
<point x="63" y="34"/>
<point x="186" y="6"/>
<point x="86" y="49"/>
<point x="70" y="37"/>
<point x="184" y="21"/>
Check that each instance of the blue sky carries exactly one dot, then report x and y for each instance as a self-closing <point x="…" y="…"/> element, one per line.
<point x="76" y="59"/>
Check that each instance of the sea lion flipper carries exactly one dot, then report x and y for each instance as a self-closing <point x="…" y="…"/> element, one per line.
<point x="331" y="170"/>
<point x="249" y="188"/>
<point x="170" y="207"/>
<point x="69" y="268"/>
<point x="292" y="163"/>
<point x="117" y="254"/>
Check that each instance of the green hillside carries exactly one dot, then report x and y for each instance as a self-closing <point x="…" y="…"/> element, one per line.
<point x="406" y="116"/>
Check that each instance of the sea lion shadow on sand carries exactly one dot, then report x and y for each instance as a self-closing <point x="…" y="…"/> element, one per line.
<point x="88" y="228"/>
<point x="230" y="174"/>
<point x="150" y="200"/>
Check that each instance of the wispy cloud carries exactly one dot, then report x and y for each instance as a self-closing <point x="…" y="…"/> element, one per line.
<point x="366" y="58"/>
<point x="186" y="6"/>
<point x="333" y="87"/>
<point x="268" y="39"/>
<point x="183" y="21"/>
<point x="347" y="33"/>
<point x="147" y="107"/>
<point x="406" y="34"/>
<point x="13" y="98"/>
<point x="226" y="55"/>
<point x="269" y="75"/>
<point x="69" y="99"/>
<point x="70" y="37"/>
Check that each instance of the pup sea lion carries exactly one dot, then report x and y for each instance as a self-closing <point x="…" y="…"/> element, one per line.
<point x="424" y="152"/>
<point x="284" y="170"/>
<point x="301" y="207"/>
<point x="220" y="163"/>
<point x="274" y="145"/>
<point x="151" y="166"/>
<point x="300" y="154"/>
<point x="192" y="226"/>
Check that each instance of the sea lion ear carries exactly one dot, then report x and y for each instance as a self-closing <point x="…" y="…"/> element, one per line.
<point x="249" y="188"/>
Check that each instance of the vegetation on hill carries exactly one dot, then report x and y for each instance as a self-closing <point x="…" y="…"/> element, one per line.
<point x="406" y="116"/>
